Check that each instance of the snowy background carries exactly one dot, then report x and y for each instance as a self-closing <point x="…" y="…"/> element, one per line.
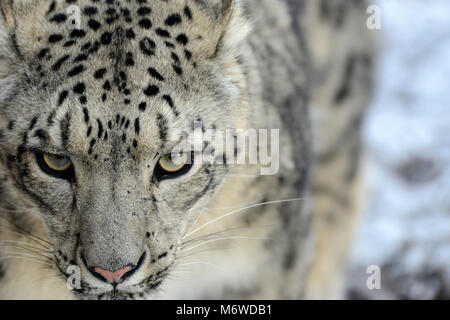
<point x="406" y="227"/>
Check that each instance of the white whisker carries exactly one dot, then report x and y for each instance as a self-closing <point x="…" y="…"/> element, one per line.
<point x="239" y="211"/>
<point x="206" y="236"/>
<point x="29" y="254"/>
<point x="225" y="238"/>
<point x="29" y="251"/>
<point x="25" y="244"/>
<point x="32" y="237"/>
<point x="204" y="251"/>
<point x="32" y="259"/>
<point x="201" y="262"/>
<point x="195" y="222"/>
<point x="48" y="277"/>
<point x="221" y="209"/>
<point x="238" y="206"/>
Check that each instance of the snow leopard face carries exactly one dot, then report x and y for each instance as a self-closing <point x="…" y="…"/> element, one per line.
<point x="89" y="116"/>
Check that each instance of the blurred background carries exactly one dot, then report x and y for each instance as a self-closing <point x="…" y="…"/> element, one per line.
<point x="406" y="227"/>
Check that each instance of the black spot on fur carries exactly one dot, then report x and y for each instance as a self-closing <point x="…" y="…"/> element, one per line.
<point x="182" y="38"/>
<point x="95" y="47"/>
<point x="188" y="54"/>
<point x="51" y="8"/>
<point x="188" y="13"/>
<point x="112" y="19"/>
<point x="59" y="63"/>
<point x="62" y="97"/>
<point x="100" y="73"/>
<point x="151" y="90"/>
<point x="41" y="134"/>
<point x="155" y="74"/>
<point x="76" y="70"/>
<point x="143" y="106"/>
<point x="80" y="58"/>
<point x="83" y="99"/>
<point x="55" y="38"/>
<point x="173" y="19"/>
<point x="129" y="61"/>
<point x="147" y="46"/>
<point x="43" y="53"/>
<point x="145" y="23"/>
<point x="175" y="57"/>
<point x="111" y="11"/>
<point x="169" y="101"/>
<point x="177" y="70"/>
<point x="32" y="123"/>
<point x="163" y="33"/>
<point x="69" y="43"/>
<point x="58" y="18"/>
<point x="100" y="129"/>
<point x="344" y="91"/>
<point x="107" y="86"/>
<point x="86" y="115"/>
<point x="162" y="124"/>
<point x="77" y="33"/>
<point x="169" y="44"/>
<point x="162" y="255"/>
<point x="11" y="125"/>
<point x="137" y="126"/>
<point x="125" y="12"/>
<point x="90" y="11"/>
<point x="79" y="88"/>
<point x="130" y="34"/>
<point x="94" y="24"/>
<point x="106" y="38"/>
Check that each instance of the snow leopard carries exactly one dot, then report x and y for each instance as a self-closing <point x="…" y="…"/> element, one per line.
<point x="96" y="94"/>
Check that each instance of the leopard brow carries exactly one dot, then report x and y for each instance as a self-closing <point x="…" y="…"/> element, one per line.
<point x="37" y="144"/>
<point x="40" y="148"/>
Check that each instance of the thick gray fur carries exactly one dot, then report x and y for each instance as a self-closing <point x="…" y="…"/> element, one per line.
<point x="301" y="66"/>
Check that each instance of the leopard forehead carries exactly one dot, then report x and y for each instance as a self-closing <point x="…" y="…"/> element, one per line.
<point x="130" y="65"/>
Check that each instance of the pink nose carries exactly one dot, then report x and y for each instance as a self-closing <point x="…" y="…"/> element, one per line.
<point x="112" y="277"/>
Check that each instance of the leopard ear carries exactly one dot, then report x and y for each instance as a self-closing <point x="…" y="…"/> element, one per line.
<point x="6" y="23"/>
<point x="11" y="10"/>
<point x="7" y="16"/>
<point x="219" y="10"/>
<point x="226" y="25"/>
<point x="7" y="57"/>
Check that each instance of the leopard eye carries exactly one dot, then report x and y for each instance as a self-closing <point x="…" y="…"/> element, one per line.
<point x="173" y="165"/>
<point x="55" y="165"/>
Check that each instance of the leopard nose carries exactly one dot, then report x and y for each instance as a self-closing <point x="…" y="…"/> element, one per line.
<point x="115" y="276"/>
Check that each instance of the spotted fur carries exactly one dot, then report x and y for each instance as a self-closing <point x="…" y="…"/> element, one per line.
<point x="112" y="95"/>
